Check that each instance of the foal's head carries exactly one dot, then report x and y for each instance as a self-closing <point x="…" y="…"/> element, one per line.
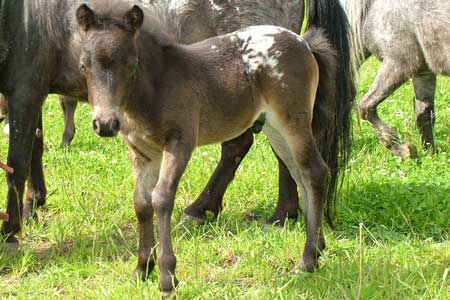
<point x="109" y="62"/>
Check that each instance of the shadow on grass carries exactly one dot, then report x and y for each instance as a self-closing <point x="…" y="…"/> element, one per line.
<point x="401" y="209"/>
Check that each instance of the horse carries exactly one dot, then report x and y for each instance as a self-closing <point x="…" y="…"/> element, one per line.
<point x="58" y="38"/>
<point x="166" y="99"/>
<point x="38" y="55"/>
<point x="411" y="39"/>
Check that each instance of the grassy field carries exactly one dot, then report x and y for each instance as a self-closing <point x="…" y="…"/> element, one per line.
<point x="85" y="245"/>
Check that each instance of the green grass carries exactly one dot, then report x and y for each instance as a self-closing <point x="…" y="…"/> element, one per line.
<point x="84" y="246"/>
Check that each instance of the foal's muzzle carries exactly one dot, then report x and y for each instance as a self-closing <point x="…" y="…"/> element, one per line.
<point x="106" y="128"/>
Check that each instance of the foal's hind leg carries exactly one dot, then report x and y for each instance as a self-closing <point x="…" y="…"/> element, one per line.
<point x="425" y="87"/>
<point x="36" y="190"/>
<point x="287" y="205"/>
<point x="69" y="106"/>
<point x="301" y="156"/>
<point x="388" y="79"/>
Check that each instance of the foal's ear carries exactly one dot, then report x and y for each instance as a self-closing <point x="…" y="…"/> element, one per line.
<point x="135" y="17"/>
<point x="85" y="17"/>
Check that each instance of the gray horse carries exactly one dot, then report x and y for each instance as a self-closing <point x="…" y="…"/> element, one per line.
<point x="412" y="40"/>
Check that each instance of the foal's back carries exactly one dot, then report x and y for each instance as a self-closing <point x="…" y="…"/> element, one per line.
<point x="232" y="79"/>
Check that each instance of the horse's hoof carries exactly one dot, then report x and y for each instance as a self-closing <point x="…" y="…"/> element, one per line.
<point x="30" y="215"/>
<point x="64" y="144"/>
<point x="191" y="221"/>
<point x="281" y="221"/>
<point x="11" y="246"/>
<point x="405" y="150"/>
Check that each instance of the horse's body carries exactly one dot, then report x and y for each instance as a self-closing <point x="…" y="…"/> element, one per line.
<point x="166" y="99"/>
<point x="38" y="55"/>
<point x="412" y="40"/>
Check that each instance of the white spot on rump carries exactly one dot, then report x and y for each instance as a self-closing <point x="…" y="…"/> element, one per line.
<point x="257" y="42"/>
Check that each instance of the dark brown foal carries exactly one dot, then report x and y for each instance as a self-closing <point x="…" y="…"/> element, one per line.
<point x="166" y="99"/>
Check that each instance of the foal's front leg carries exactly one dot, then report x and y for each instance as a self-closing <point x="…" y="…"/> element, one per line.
<point x="146" y="172"/>
<point x="175" y="158"/>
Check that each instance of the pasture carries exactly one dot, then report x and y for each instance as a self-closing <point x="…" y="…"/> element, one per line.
<point x="84" y="246"/>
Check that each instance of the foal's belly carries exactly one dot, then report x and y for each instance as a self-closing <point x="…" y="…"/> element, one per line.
<point x="227" y="118"/>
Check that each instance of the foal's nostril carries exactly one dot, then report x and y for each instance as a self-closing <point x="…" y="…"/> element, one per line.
<point x="96" y="126"/>
<point x="115" y="126"/>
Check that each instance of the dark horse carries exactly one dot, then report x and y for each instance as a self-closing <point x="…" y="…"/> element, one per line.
<point x="39" y="48"/>
<point x="166" y="99"/>
<point x="411" y="38"/>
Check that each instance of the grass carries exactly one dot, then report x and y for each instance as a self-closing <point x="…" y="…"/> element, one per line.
<point x="84" y="246"/>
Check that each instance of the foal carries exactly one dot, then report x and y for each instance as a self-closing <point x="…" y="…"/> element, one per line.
<point x="166" y="99"/>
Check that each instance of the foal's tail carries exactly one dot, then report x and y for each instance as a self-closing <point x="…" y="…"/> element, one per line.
<point x="334" y="136"/>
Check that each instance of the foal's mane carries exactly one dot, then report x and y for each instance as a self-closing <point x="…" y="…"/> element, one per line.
<point x="157" y="20"/>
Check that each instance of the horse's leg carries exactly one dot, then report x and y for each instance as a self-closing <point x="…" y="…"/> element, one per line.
<point x="211" y="198"/>
<point x="302" y="158"/>
<point x="388" y="79"/>
<point x="37" y="192"/>
<point x="175" y="158"/>
<point x="24" y="107"/>
<point x="69" y="106"/>
<point x="287" y="205"/>
<point x="425" y="88"/>
<point x="146" y="172"/>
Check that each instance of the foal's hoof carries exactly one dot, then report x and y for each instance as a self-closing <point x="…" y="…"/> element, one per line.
<point x="192" y="221"/>
<point x="405" y="150"/>
<point x="308" y="265"/>
<point x="168" y="295"/>
<point x="140" y="275"/>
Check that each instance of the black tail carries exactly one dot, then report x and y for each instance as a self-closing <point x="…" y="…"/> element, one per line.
<point x="3" y="40"/>
<point x="330" y="17"/>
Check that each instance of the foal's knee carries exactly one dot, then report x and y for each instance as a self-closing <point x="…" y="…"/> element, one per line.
<point x="161" y="201"/>
<point x="143" y="209"/>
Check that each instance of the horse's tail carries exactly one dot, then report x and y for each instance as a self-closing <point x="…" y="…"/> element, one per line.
<point x="333" y="136"/>
<point x="356" y="12"/>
